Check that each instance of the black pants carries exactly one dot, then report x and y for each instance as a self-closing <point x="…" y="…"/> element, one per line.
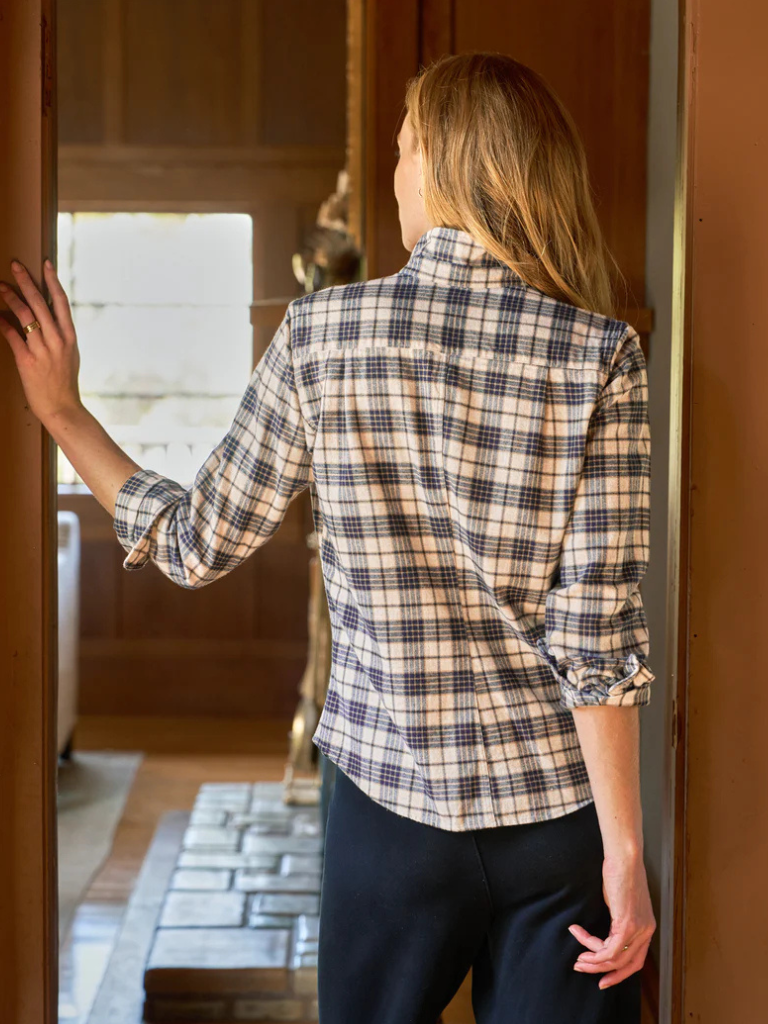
<point x="406" y="909"/>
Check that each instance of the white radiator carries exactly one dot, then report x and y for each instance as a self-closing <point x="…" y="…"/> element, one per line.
<point x="69" y="623"/>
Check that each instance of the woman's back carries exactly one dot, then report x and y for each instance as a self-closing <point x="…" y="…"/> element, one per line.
<point x="480" y="455"/>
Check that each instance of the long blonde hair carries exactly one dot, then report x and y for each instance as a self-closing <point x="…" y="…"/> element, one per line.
<point x="503" y="160"/>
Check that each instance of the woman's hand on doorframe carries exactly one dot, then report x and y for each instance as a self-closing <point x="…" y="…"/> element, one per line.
<point x="47" y="358"/>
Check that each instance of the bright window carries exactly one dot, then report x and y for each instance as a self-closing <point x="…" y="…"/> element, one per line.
<point x="161" y="304"/>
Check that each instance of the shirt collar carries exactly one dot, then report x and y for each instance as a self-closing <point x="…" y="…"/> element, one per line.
<point x="452" y="256"/>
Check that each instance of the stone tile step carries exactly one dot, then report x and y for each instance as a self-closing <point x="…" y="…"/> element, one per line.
<point x="208" y="817"/>
<point x="285" y="903"/>
<point x="203" y="910"/>
<point x="301" y="864"/>
<point x="282" y="844"/>
<point x="212" y="879"/>
<point x="307" y="926"/>
<point x="258" y="881"/>
<point x="236" y="938"/>
<point x="270" y="828"/>
<point x="178" y="1010"/>
<point x="209" y="837"/>
<point x="230" y="804"/>
<point x="225" y="859"/>
<point x="190" y="960"/>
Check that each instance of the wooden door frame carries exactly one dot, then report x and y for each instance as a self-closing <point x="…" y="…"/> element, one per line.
<point x="29" y="913"/>
<point x="674" y="854"/>
<point x="28" y="527"/>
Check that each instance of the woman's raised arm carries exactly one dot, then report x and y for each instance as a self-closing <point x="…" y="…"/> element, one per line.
<point x="240" y="493"/>
<point x="48" y="361"/>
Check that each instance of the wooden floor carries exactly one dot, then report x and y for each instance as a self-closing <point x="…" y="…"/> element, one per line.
<point x="180" y="754"/>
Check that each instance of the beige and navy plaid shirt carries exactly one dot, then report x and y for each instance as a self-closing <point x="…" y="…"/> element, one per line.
<point x="478" y="458"/>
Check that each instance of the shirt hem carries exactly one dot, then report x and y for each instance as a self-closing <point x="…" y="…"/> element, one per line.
<point x="466" y="823"/>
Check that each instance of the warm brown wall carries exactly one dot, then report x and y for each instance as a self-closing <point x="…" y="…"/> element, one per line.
<point x="726" y="944"/>
<point x="594" y="55"/>
<point x="227" y="105"/>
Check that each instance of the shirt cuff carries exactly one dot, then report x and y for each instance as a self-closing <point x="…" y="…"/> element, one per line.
<point x="137" y="504"/>
<point x="596" y="681"/>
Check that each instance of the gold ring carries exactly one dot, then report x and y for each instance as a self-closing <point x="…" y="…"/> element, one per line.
<point x="32" y="327"/>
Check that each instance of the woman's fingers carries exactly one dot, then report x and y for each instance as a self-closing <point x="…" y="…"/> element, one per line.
<point x="24" y="315"/>
<point x="14" y="339"/>
<point x="614" y="977"/>
<point x="618" y="971"/>
<point x="585" y="938"/>
<point x="613" y="946"/>
<point x="35" y="301"/>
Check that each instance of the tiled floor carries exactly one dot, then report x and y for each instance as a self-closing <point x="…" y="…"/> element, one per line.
<point x="180" y="755"/>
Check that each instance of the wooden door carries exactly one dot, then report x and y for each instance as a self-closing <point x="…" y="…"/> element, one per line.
<point x="28" y="894"/>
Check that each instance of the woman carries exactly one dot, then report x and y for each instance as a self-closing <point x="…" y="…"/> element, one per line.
<point x="477" y="430"/>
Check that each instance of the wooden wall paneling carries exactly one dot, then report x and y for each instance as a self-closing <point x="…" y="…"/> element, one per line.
<point x="303" y="73"/>
<point x="28" y="579"/>
<point x="280" y="573"/>
<point x="127" y="617"/>
<point x="113" y="87"/>
<point x="251" y="60"/>
<point x="83" y="72"/>
<point x="437" y="29"/>
<point x="182" y="72"/>
<point x="276" y="237"/>
<point x="153" y="608"/>
<point x="216" y="678"/>
<point x="356" y="107"/>
<point x="391" y="57"/>
<point x="179" y="178"/>
<point x="101" y="564"/>
<point x="181" y="129"/>
<point x="595" y="56"/>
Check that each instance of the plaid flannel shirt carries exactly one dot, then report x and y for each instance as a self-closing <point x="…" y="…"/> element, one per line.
<point x="478" y="459"/>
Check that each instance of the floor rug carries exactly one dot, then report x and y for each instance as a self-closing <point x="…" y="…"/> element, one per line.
<point x="92" y="789"/>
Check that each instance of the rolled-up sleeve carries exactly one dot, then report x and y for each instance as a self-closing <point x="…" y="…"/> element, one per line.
<point x="239" y="495"/>
<point x="596" y="639"/>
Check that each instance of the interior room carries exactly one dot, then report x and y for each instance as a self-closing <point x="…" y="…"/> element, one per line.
<point x="186" y="208"/>
<point x="187" y="216"/>
<point x="193" y="167"/>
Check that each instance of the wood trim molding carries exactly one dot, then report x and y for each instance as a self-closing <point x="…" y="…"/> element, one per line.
<point x="251" y="43"/>
<point x="94" y="177"/>
<point x="356" y="93"/>
<point x="28" y="756"/>
<point x="675" y="851"/>
<point x="113" y="80"/>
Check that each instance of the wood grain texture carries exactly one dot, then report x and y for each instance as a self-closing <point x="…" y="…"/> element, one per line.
<point x="236" y="647"/>
<point x="194" y="106"/>
<point x="721" y="357"/>
<point x="595" y="56"/>
<point x="28" y="581"/>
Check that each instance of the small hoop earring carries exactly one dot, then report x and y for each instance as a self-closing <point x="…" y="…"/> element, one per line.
<point x="421" y="193"/>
